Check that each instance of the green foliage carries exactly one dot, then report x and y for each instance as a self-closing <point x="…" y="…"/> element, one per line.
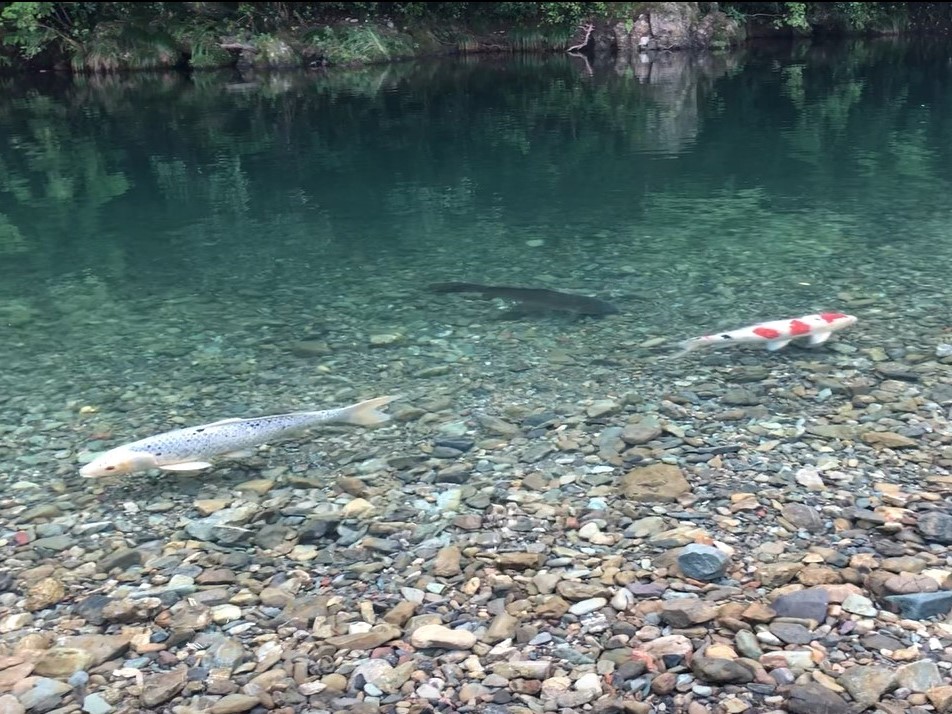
<point x="855" y="17"/>
<point x="31" y="26"/>
<point x="349" y="44"/>
<point x="795" y="15"/>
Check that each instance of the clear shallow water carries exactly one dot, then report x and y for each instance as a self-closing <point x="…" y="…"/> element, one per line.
<point x="165" y="242"/>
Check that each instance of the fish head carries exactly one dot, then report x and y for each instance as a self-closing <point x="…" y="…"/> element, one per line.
<point x="118" y="461"/>
<point x="837" y="320"/>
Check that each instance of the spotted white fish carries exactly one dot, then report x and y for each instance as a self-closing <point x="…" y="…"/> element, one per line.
<point x="194" y="448"/>
<point x="776" y="334"/>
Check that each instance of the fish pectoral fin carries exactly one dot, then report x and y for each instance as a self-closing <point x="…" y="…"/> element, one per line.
<point x="777" y="345"/>
<point x="241" y="454"/>
<point x="819" y="338"/>
<point x="187" y="466"/>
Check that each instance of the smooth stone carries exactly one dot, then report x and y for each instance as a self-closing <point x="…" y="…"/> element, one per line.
<point x="584" y="607"/>
<point x="443" y="637"/>
<point x="919" y="676"/>
<point x="860" y="605"/>
<point x="867" y="684"/>
<point x="920" y="606"/>
<point x="808" y="604"/>
<point x="703" y="562"/>
<point x="234" y="704"/>
<point x="9" y="704"/>
<point x="661" y="483"/>
<point x="815" y="699"/>
<point x="935" y="526"/>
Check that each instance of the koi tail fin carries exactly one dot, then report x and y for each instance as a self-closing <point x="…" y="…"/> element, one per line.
<point x="686" y="346"/>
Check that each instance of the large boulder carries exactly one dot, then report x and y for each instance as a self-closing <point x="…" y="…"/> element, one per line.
<point x="673" y="24"/>
<point x="660" y="26"/>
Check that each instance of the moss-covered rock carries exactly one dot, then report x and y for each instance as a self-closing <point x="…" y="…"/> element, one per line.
<point x="662" y="26"/>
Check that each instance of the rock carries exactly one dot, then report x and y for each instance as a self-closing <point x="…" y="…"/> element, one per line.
<point x="803" y="516"/>
<point x="721" y="671"/>
<point x="702" y="562"/>
<point x="919" y="606"/>
<point x="909" y="583"/>
<point x="442" y="637"/>
<point x="686" y="612"/>
<point x="9" y="704"/>
<point x="859" y="605"/>
<point x="235" y="703"/>
<point x="502" y="627"/>
<point x="447" y="562"/>
<point x="791" y="633"/>
<point x="641" y="432"/>
<point x="815" y="699"/>
<point x="157" y="689"/>
<point x="43" y="594"/>
<point x="867" y="684"/>
<point x="673" y="24"/>
<point x="43" y="694"/>
<point x="517" y="560"/>
<point x="95" y="704"/>
<point x="888" y="439"/>
<point x="919" y="676"/>
<point x="100" y="648"/>
<point x="584" y="607"/>
<point x="61" y="662"/>
<point x="807" y="604"/>
<point x="747" y="645"/>
<point x="662" y="483"/>
<point x="941" y="698"/>
<point x="376" y="636"/>
<point x="936" y="527"/>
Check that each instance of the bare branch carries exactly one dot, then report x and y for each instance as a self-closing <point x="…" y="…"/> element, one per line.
<point x="589" y="28"/>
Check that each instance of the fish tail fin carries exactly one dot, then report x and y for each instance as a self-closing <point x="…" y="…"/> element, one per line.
<point x="686" y="346"/>
<point x="366" y="414"/>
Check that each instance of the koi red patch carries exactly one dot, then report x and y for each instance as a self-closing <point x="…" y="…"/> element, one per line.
<point x="798" y="327"/>
<point x="831" y="316"/>
<point x="767" y="333"/>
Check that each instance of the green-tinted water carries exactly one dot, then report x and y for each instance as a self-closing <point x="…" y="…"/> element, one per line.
<point x="165" y="242"/>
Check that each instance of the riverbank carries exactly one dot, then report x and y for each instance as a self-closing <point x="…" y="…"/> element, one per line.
<point x="200" y="36"/>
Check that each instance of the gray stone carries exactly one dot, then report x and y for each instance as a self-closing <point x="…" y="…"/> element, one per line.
<point x="935" y="526"/>
<point x="919" y="676"/>
<point x="721" y="671"/>
<point x="791" y="633"/>
<point x="96" y="704"/>
<point x="803" y="516"/>
<point x="809" y="604"/>
<point x="815" y="699"/>
<point x="44" y="695"/>
<point x="702" y="562"/>
<point x="919" y="606"/>
<point x="867" y="684"/>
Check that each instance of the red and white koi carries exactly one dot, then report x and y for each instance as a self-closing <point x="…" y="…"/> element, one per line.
<point x="776" y="334"/>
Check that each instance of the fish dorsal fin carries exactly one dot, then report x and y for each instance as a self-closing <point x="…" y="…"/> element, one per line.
<point x="186" y="466"/>
<point x="232" y="420"/>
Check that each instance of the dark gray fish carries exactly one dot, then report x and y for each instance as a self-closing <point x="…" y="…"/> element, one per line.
<point x="533" y="298"/>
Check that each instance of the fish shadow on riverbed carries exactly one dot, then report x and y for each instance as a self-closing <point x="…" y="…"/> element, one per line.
<point x="531" y="302"/>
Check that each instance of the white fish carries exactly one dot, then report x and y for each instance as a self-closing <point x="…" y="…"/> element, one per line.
<point x="193" y="448"/>
<point x="776" y="334"/>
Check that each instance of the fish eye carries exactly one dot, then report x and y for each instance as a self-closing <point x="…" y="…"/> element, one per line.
<point x="110" y="468"/>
